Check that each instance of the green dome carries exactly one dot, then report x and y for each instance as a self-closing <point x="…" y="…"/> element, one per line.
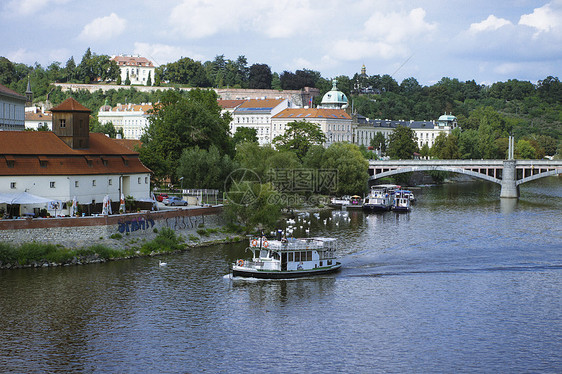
<point x="334" y="99"/>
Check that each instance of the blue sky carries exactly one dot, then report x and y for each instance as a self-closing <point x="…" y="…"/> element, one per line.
<point x="487" y="41"/>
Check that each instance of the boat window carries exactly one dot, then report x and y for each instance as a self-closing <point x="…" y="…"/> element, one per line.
<point x="297" y="256"/>
<point x="308" y="255"/>
<point x="290" y="257"/>
<point x="303" y="256"/>
<point x="276" y="256"/>
<point x="329" y="262"/>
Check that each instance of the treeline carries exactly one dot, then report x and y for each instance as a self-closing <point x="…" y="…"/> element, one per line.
<point x="533" y="108"/>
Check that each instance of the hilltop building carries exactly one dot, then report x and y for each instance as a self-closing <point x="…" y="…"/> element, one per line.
<point x="257" y="114"/>
<point x="137" y="68"/>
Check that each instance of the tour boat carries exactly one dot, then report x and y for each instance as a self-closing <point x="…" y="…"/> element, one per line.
<point x="288" y="258"/>
<point x="402" y="201"/>
<point x="380" y="198"/>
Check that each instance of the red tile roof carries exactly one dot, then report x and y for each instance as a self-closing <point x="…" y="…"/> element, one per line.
<point x="302" y="113"/>
<point x="6" y="91"/>
<point x="27" y="148"/>
<point x="32" y="116"/>
<point x="229" y="104"/>
<point x="70" y="105"/>
<point x="132" y="61"/>
<point x="265" y="103"/>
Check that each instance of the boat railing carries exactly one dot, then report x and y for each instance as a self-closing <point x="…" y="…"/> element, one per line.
<point x="292" y="244"/>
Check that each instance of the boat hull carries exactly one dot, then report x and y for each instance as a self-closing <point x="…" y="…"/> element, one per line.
<point x="376" y="208"/>
<point x="261" y="274"/>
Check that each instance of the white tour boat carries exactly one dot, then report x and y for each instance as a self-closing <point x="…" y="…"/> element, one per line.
<point x="402" y="201"/>
<point x="288" y="258"/>
<point x="380" y="198"/>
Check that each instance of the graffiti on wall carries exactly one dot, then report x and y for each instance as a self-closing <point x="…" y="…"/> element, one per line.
<point x="180" y="223"/>
<point x="135" y="224"/>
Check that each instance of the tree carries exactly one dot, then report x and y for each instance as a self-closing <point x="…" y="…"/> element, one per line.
<point x="378" y="142"/>
<point x="260" y="76"/>
<point x="445" y="147"/>
<point x="524" y="150"/>
<point x="149" y="80"/>
<point x="201" y="168"/>
<point x="351" y="166"/>
<point x="180" y="122"/>
<point x="402" y="143"/>
<point x="252" y="156"/>
<point x="127" y="80"/>
<point x="299" y="137"/>
<point x="253" y="205"/>
<point x="245" y="134"/>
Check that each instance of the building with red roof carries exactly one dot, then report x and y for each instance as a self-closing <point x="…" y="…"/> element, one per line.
<point x="70" y="161"/>
<point x="137" y="68"/>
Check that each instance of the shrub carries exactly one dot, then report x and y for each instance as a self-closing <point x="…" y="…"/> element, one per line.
<point x="193" y="238"/>
<point x="116" y="236"/>
<point x="202" y="232"/>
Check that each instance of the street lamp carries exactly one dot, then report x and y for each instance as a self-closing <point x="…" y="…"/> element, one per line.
<point x="181" y="179"/>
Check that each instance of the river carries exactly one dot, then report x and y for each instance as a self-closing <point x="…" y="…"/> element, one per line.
<point x="463" y="283"/>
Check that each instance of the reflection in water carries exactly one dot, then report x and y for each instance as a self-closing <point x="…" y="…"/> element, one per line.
<point x="508" y="206"/>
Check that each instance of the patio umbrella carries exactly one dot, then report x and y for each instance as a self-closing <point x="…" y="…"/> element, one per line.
<point x="105" y="210"/>
<point x="73" y="207"/>
<point x="122" y="204"/>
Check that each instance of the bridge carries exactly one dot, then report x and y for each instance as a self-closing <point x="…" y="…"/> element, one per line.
<point x="507" y="173"/>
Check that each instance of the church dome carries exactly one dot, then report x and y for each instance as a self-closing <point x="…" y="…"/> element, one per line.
<point x="334" y="99"/>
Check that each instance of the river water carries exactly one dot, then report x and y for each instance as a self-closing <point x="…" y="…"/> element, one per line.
<point x="463" y="283"/>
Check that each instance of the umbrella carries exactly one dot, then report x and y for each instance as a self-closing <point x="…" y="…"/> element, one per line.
<point x="105" y="209"/>
<point x="122" y="204"/>
<point x="73" y="207"/>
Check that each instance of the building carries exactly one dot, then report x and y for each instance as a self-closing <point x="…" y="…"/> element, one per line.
<point x="70" y="162"/>
<point x="425" y="131"/>
<point x="131" y="118"/>
<point x="336" y="124"/>
<point x="37" y="117"/>
<point x="257" y="114"/>
<point x="12" y="110"/>
<point x="138" y="69"/>
<point x="334" y="99"/>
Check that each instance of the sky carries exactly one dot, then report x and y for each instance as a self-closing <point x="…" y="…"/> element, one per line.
<point x="484" y="40"/>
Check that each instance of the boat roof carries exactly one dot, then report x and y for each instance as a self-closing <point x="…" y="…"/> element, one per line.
<point x="292" y="244"/>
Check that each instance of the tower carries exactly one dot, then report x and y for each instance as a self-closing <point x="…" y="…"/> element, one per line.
<point x="71" y="122"/>
<point x="28" y="94"/>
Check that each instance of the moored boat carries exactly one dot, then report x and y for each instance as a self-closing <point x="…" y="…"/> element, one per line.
<point x="402" y="201"/>
<point x="288" y="258"/>
<point x="380" y="197"/>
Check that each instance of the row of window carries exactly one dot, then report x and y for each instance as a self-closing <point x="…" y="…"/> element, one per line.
<point x="77" y="183"/>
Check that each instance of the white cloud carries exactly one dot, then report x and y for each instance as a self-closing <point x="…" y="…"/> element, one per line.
<point x="544" y="19"/>
<point x="489" y="24"/>
<point x="28" y="7"/>
<point x="196" y="19"/>
<point x="163" y="54"/>
<point x="103" y="28"/>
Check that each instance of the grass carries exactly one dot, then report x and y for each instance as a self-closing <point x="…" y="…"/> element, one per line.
<point x="34" y="253"/>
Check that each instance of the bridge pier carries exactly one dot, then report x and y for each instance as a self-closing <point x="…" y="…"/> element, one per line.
<point x="510" y="189"/>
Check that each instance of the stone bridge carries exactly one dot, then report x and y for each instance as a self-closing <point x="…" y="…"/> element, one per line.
<point x="507" y="173"/>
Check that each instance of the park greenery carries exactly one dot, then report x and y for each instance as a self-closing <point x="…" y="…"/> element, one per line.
<point x="188" y="139"/>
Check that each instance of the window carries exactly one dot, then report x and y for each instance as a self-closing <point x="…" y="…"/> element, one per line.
<point x="110" y="182"/>
<point x="43" y="164"/>
<point x="62" y="123"/>
<point x="13" y="185"/>
<point x="76" y="183"/>
<point x="93" y="183"/>
<point x="139" y="180"/>
<point x="52" y="184"/>
<point x="145" y="180"/>
<point x="10" y="163"/>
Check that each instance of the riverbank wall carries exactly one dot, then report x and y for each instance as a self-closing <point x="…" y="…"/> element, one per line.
<point x="115" y="231"/>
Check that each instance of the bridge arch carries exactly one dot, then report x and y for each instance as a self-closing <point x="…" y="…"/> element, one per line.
<point x="410" y="169"/>
<point x="539" y="175"/>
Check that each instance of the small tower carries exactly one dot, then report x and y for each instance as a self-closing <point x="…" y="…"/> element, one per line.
<point x="71" y="122"/>
<point x="28" y="94"/>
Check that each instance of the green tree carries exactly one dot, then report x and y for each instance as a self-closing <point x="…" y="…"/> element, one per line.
<point x="149" y="80"/>
<point x="260" y="76"/>
<point x="402" y="143"/>
<point x="445" y="147"/>
<point x="127" y="80"/>
<point x="201" y="168"/>
<point x="253" y="205"/>
<point x="180" y="122"/>
<point x="378" y="142"/>
<point x="351" y="166"/>
<point x="252" y="156"/>
<point x="314" y="157"/>
<point x="299" y="136"/>
<point x="524" y="150"/>
<point x="245" y="134"/>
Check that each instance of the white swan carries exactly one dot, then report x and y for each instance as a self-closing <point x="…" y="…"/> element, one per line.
<point x="162" y="263"/>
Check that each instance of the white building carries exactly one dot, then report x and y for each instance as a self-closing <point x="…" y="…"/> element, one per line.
<point x="131" y="118"/>
<point x="12" y="110"/>
<point x="257" y="114"/>
<point x="425" y="131"/>
<point x="139" y="69"/>
<point x="37" y="117"/>
<point x="69" y="162"/>
<point x="336" y="124"/>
